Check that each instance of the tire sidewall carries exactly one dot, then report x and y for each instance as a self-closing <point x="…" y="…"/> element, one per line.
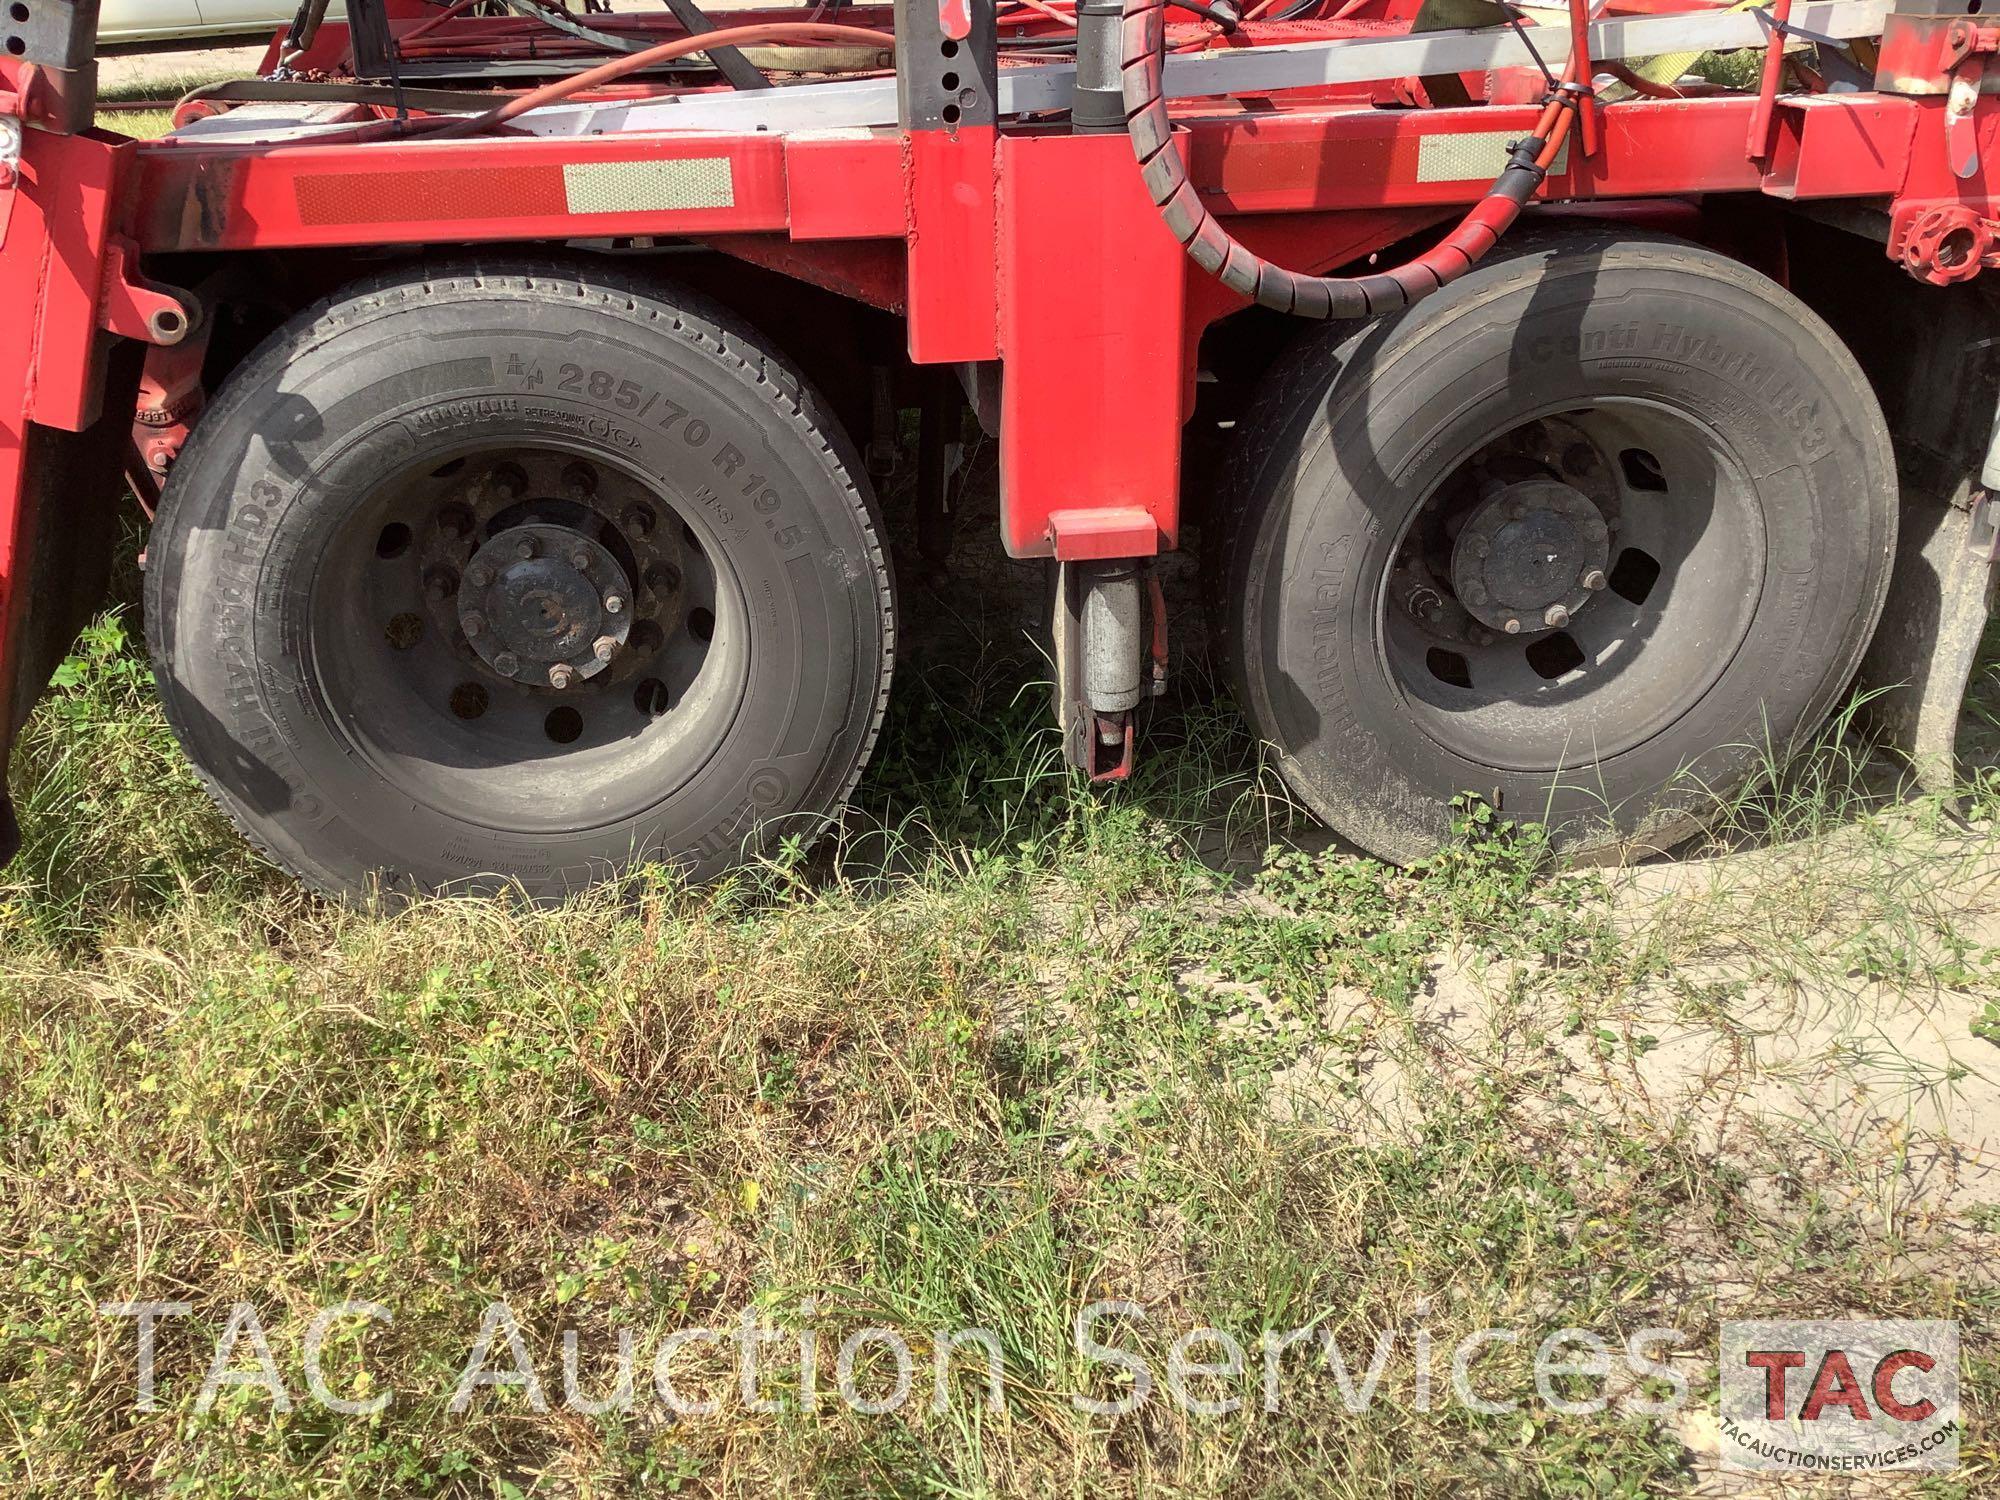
<point x="311" y="423"/>
<point x="1411" y="399"/>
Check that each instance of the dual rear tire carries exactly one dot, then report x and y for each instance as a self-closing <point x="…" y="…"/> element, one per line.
<point x="524" y="574"/>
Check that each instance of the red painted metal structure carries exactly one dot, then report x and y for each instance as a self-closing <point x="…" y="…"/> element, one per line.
<point x="1022" y="243"/>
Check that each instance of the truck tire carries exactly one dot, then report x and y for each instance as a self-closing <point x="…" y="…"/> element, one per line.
<point x="1591" y="533"/>
<point x="518" y="574"/>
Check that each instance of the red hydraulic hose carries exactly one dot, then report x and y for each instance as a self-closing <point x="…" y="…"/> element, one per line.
<point x="1579" y="67"/>
<point x="633" y="62"/>
<point x="1759" y="144"/>
<point x="1248" y="274"/>
<point x="425" y="28"/>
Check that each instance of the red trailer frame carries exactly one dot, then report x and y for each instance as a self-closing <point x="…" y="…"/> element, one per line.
<point x="1006" y="242"/>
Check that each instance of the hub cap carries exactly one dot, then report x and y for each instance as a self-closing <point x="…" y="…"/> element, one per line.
<point x="1530" y="556"/>
<point x="545" y="605"/>
<point x="1573" y="586"/>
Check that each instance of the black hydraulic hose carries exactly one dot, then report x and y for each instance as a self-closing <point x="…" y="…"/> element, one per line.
<point x="1248" y="274"/>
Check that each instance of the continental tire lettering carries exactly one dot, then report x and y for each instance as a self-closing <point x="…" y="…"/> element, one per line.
<point x="1596" y="341"/>
<point x="1798" y="412"/>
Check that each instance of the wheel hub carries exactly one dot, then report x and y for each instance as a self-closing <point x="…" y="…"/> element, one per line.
<point x="1530" y="556"/>
<point x="545" y="605"/>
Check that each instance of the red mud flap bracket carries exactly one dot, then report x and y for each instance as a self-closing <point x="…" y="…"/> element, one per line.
<point x="135" y="308"/>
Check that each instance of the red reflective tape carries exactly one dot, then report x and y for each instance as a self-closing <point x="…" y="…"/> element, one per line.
<point x="419" y="197"/>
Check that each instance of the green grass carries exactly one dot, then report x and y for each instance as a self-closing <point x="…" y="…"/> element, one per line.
<point x="147" y="86"/>
<point x="1008" y="1048"/>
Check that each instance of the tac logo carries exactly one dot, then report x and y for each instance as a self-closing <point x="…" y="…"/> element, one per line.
<point x="1840" y="1397"/>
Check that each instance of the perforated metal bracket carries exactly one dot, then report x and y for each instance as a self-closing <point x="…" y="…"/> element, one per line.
<point x="49" y="33"/>
<point x="947" y="65"/>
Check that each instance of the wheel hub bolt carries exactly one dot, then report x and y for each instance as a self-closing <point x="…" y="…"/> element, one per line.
<point x="1593" y="579"/>
<point x="438" y="584"/>
<point x="525" y="549"/>
<point x="507" y="663"/>
<point x="479" y="575"/>
<point x="1513" y="626"/>
<point x="614" y="604"/>
<point x="580" y="560"/>
<point x="561" y="675"/>
<point x="474" y="623"/>
<point x="604" y="647"/>
<point x="1556" y="617"/>
<point x="1475" y="593"/>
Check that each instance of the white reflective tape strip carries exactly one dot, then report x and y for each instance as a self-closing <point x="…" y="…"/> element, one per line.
<point x="1473" y="155"/>
<point x="621" y="187"/>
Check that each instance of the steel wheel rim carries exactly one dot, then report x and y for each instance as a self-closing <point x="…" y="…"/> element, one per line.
<point x="442" y="724"/>
<point x="1683" y="561"/>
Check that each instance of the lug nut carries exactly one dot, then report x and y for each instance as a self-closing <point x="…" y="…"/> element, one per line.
<point x="604" y="647"/>
<point x="439" y="584"/>
<point x="561" y="675"/>
<point x="579" y="480"/>
<point x="474" y="623"/>
<point x="1593" y="579"/>
<point x="507" y="663"/>
<point x="663" y="578"/>
<point x="525" y="548"/>
<point x="640" y="520"/>
<point x="1556" y="617"/>
<point x="1513" y="626"/>
<point x="614" y="604"/>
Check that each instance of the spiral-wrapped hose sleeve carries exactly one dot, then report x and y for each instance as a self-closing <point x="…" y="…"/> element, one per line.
<point x="1215" y="250"/>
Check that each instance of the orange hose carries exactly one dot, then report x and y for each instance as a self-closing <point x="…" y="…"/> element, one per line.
<point x="457" y="8"/>
<point x="633" y="62"/>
